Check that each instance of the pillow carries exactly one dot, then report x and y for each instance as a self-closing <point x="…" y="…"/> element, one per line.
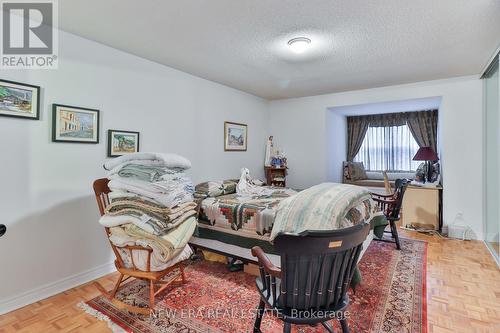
<point x="357" y="171"/>
<point x="375" y="175"/>
<point x="229" y="186"/>
<point x="216" y="188"/>
<point x="210" y="189"/>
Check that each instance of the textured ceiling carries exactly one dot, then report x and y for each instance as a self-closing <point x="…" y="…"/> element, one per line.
<point x="356" y="44"/>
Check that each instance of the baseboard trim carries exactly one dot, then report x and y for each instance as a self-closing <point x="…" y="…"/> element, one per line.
<point x="53" y="288"/>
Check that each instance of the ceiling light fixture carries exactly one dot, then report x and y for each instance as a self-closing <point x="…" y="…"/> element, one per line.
<point x="299" y="44"/>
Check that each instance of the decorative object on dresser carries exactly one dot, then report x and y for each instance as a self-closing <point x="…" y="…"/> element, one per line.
<point x="74" y="124"/>
<point x="428" y="155"/>
<point x="311" y="285"/>
<point x="390" y="205"/>
<point x="122" y="142"/>
<point x="269" y="151"/>
<point x="235" y="136"/>
<point x="276" y="176"/>
<point x="422" y="207"/>
<point x="19" y="100"/>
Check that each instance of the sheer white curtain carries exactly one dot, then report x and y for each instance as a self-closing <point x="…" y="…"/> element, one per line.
<point x="388" y="148"/>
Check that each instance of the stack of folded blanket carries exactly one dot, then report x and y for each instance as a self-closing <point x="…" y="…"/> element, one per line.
<point x="151" y="204"/>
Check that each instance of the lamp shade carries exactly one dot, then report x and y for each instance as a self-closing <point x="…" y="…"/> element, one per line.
<point x="425" y="154"/>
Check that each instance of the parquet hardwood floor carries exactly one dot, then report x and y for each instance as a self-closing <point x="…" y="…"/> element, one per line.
<point x="463" y="295"/>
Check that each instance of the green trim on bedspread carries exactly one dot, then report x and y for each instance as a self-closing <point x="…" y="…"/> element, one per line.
<point x="378" y="224"/>
<point x="240" y="241"/>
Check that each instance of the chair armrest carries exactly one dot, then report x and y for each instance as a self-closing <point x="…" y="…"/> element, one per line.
<point x="264" y="261"/>
<point x="385" y="201"/>
<point x="373" y="194"/>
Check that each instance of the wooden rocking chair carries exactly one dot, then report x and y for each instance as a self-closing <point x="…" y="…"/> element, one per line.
<point x="311" y="285"/>
<point x="391" y="204"/>
<point x="101" y="190"/>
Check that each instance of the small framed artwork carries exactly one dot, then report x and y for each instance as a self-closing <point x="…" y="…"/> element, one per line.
<point x="235" y="136"/>
<point x="74" y="124"/>
<point x="19" y="100"/>
<point x="122" y="142"/>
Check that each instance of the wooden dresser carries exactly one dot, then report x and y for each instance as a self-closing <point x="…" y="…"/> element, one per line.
<point x="422" y="207"/>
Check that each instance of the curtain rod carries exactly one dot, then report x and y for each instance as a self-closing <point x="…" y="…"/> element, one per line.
<point x="389" y="113"/>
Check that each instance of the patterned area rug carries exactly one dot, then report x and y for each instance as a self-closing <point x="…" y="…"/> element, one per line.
<point x="391" y="298"/>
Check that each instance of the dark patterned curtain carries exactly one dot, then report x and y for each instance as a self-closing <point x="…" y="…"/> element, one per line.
<point x="356" y="132"/>
<point x="423" y="126"/>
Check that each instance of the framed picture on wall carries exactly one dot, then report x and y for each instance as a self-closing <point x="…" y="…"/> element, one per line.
<point x="19" y="100"/>
<point x="122" y="142"/>
<point x="235" y="136"/>
<point x="74" y="124"/>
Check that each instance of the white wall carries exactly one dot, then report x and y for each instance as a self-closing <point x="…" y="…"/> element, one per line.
<point x="336" y="145"/>
<point x="300" y="125"/>
<point x="53" y="240"/>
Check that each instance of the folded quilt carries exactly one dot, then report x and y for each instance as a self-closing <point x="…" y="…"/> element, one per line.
<point x="153" y="225"/>
<point x="147" y="206"/>
<point x="164" y="245"/>
<point x="141" y="259"/>
<point x="324" y="207"/>
<point x="175" y="195"/>
<point x="156" y="221"/>
<point x="166" y="160"/>
<point x="165" y="248"/>
<point x="148" y="173"/>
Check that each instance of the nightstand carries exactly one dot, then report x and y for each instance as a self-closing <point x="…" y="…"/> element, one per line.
<point x="422" y="207"/>
<point x="276" y="176"/>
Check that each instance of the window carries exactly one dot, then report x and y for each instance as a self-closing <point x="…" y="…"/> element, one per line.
<point x="388" y="148"/>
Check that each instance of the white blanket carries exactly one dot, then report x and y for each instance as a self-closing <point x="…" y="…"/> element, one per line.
<point x="167" y="160"/>
<point x="166" y="195"/>
<point x="141" y="259"/>
<point x="245" y="186"/>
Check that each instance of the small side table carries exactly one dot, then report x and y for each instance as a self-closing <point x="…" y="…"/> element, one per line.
<point x="422" y="207"/>
<point x="276" y="176"/>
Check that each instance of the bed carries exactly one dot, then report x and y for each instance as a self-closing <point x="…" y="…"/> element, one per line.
<point x="231" y="224"/>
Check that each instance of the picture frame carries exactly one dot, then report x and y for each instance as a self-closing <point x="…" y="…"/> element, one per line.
<point x="122" y="142"/>
<point x="235" y="136"/>
<point x="19" y="100"/>
<point x="75" y="124"/>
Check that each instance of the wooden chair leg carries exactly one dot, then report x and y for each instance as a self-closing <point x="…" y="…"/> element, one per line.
<point x="151" y="295"/>
<point x="117" y="286"/>
<point x="343" y="324"/>
<point x="327" y="327"/>
<point x="287" y="328"/>
<point x="181" y="267"/>
<point x="394" y="231"/>
<point x="258" y="318"/>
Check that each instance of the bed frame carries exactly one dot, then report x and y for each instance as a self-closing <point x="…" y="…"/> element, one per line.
<point x="244" y="254"/>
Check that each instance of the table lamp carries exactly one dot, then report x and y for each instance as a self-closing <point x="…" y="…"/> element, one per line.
<point x="426" y="154"/>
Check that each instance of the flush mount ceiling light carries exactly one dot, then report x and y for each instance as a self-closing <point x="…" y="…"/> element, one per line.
<point x="299" y="44"/>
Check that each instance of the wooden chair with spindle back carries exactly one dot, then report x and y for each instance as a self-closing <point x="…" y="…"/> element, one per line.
<point x="390" y="205"/>
<point x="101" y="190"/>
<point x="316" y="271"/>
